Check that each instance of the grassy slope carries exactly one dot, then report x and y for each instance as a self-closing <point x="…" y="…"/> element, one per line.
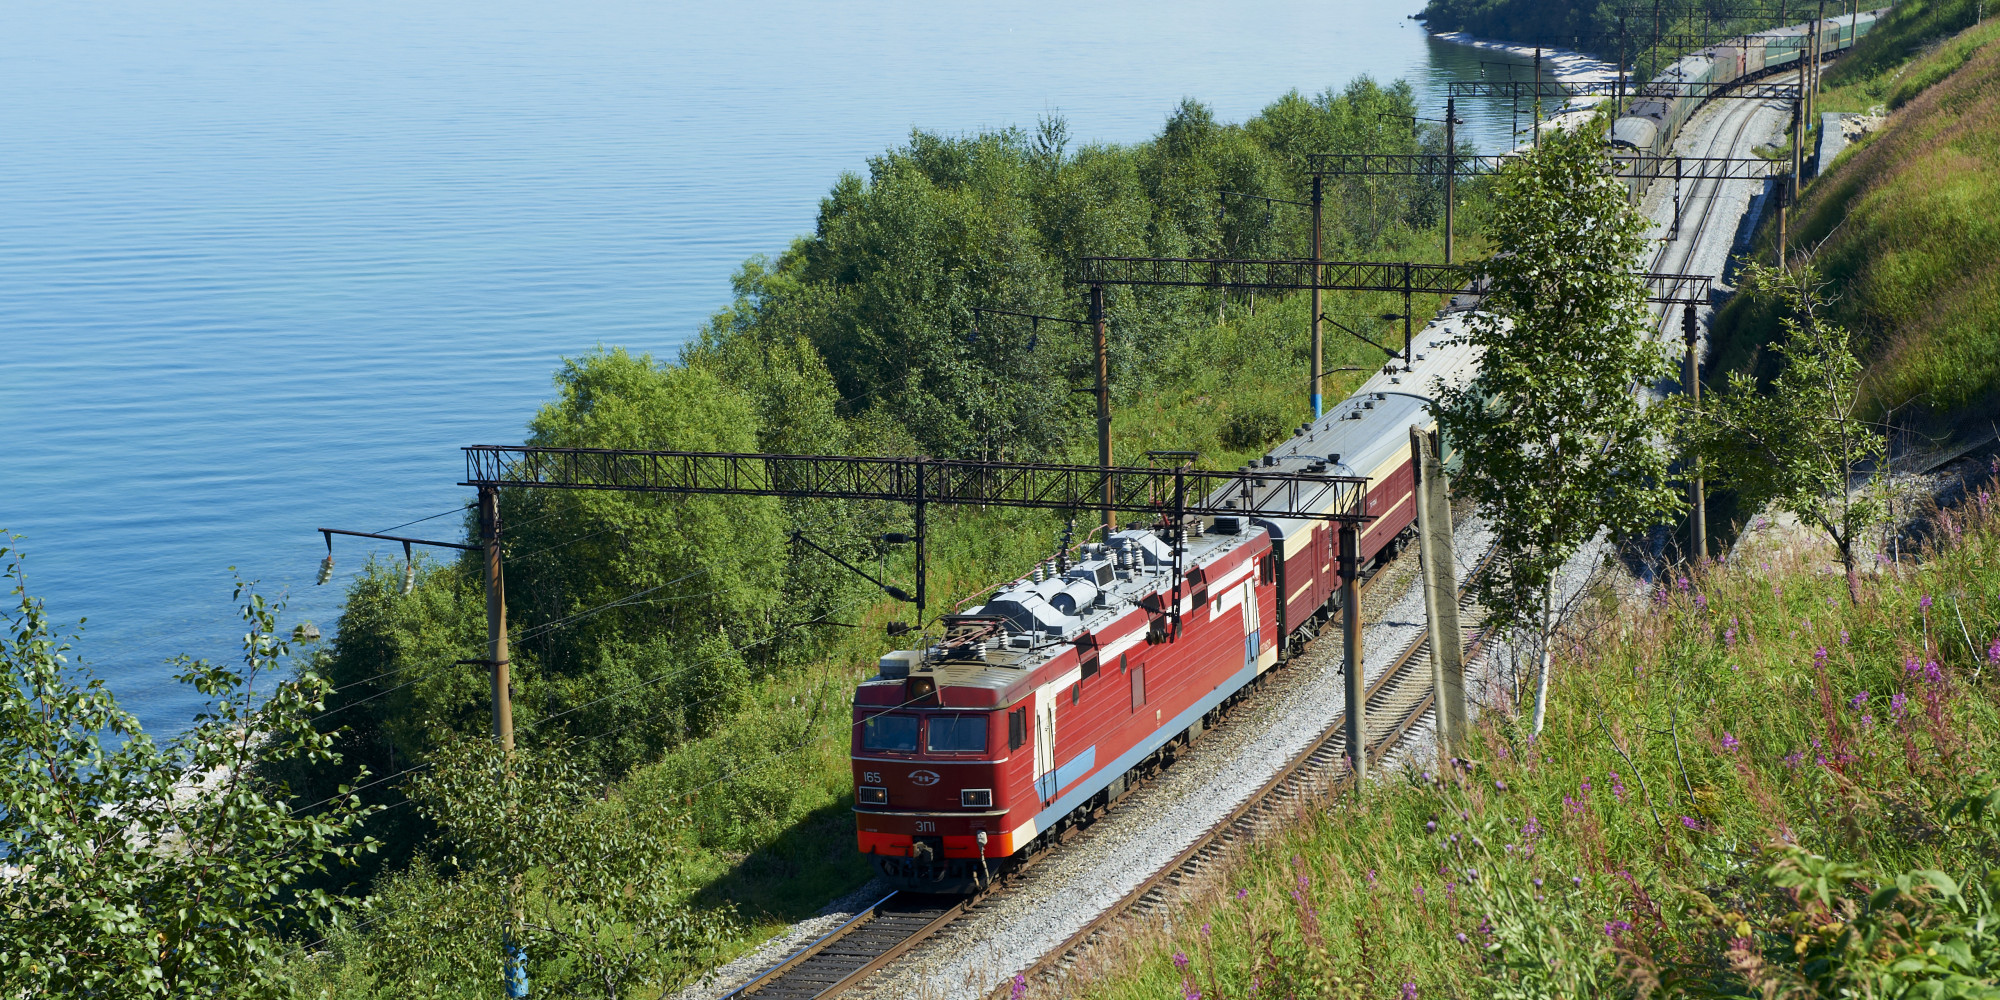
<point x="1688" y="736"/>
<point x="1905" y="226"/>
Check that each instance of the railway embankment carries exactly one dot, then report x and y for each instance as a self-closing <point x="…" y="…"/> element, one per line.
<point x="1737" y="735"/>
<point x="1902" y="228"/>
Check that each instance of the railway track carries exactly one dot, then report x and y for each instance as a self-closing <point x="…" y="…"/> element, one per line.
<point x="899" y="922"/>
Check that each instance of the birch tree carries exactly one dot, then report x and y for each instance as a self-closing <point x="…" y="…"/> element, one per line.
<point x="1559" y="446"/>
<point x="1802" y="446"/>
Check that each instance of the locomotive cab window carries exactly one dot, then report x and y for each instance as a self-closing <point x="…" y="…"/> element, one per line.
<point x="890" y="732"/>
<point x="956" y="734"/>
<point x="1017" y="728"/>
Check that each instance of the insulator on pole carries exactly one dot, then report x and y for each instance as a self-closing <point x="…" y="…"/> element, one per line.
<point x="326" y="568"/>
<point x="409" y="569"/>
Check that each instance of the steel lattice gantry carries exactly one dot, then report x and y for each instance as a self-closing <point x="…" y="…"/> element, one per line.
<point x="1404" y="277"/>
<point x="1168" y="494"/>
<point x="1549" y="89"/>
<point x="1623" y="165"/>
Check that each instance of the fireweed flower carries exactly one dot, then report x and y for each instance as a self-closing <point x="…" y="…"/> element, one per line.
<point x="1899" y="706"/>
<point x="1531" y="829"/>
<point x="1867" y="720"/>
<point x="1700" y="600"/>
<point x="1792" y="759"/>
<point x="1617" y="787"/>
<point x="1409" y="992"/>
<point x="1925" y="602"/>
<point x="1858" y="700"/>
<point x="1843" y="637"/>
<point x="1819" y="658"/>
<point x="1240" y="893"/>
<point x="1204" y="930"/>
<point x="1417" y="893"/>
<point x="1371" y="882"/>
<point x="1613" y="928"/>
<point x="1020" y="987"/>
<point x="1681" y="585"/>
<point x="1687" y="821"/>
<point x="1729" y="636"/>
<point x="1180" y="961"/>
<point x="1730" y="743"/>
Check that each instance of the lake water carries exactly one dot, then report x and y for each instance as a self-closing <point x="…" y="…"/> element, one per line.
<point x="265" y="266"/>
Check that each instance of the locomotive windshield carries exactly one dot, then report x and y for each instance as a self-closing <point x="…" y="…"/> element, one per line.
<point x="957" y="734"/>
<point x="890" y="732"/>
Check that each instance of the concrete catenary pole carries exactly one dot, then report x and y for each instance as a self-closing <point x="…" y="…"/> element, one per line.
<point x="1450" y="201"/>
<point x="1440" y="583"/>
<point x="1697" y="493"/>
<point x="1103" y="357"/>
<point x="1318" y="338"/>
<point x="1350" y="623"/>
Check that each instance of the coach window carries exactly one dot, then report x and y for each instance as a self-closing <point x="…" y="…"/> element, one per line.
<point x="956" y="734"/>
<point x="890" y="732"/>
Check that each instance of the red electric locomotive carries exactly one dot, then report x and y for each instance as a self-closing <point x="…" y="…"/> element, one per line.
<point x="1041" y="704"/>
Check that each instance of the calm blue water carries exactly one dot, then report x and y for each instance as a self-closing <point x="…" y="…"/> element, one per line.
<point x="265" y="266"/>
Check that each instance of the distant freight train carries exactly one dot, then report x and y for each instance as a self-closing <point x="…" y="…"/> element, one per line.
<point x="1661" y="106"/>
<point x="1043" y="704"/>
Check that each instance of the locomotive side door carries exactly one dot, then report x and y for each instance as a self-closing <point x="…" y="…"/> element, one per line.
<point x="1045" y="744"/>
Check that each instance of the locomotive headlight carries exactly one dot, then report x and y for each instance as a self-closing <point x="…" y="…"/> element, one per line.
<point x="870" y="795"/>
<point x="976" y="798"/>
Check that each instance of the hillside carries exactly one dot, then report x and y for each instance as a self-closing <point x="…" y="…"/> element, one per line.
<point x="1739" y="733"/>
<point x="1903" y="229"/>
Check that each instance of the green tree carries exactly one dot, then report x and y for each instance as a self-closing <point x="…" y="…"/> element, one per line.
<point x="135" y="868"/>
<point x="1803" y="445"/>
<point x="604" y="911"/>
<point x="1558" y="445"/>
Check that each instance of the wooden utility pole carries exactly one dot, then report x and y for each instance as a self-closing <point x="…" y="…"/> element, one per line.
<point x="1350" y="622"/>
<point x="1435" y="562"/>
<point x="1697" y="493"/>
<point x="1318" y="340"/>
<point x="516" y="974"/>
<point x="1103" y="356"/>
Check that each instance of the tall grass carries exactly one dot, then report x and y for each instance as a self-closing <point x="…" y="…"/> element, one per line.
<point x="1904" y="228"/>
<point x="1704" y="743"/>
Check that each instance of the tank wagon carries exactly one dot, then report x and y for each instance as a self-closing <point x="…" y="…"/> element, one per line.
<point x="1046" y="702"/>
<point x="1659" y="108"/>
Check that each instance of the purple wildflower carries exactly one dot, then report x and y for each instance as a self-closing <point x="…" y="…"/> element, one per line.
<point x="1617" y="787"/>
<point x="1417" y="892"/>
<point x="1181" y="961"/>
<point x="1858" y="700"/>
<point x="1240" y="893"/>
<point x="1867" y="720"/>
<point x="1819" y="658"/>
<point x="1701" y="600"/>
<point x="1572" y="806"/>
<point x="1792" y="759"/>
<point x="1531" y="829"/>
<point x="1190" y="991"/>
<point x="1993" y="651"/>
<point x="1461" y="937"/>
<point x="1933" y="672"/>
<point x="1729" y="636"/>
<point x="1500" y="786"/>
<point x="1730" y="743"/>
<point x="1204" y="929"/>
<point x="1687" y="821"/>
<point x="1899" y="706"/>
<point x="1371" y="882"/>
<point x="1020" y="987"/>
<point x="1431" y="825"/>
<point x="1613" y="928"/>
<point x="1409" y="992"/>
<point x="1925" y="602"/>
<point x="1681" y="584"/>
<point x="1843" y="637"/>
